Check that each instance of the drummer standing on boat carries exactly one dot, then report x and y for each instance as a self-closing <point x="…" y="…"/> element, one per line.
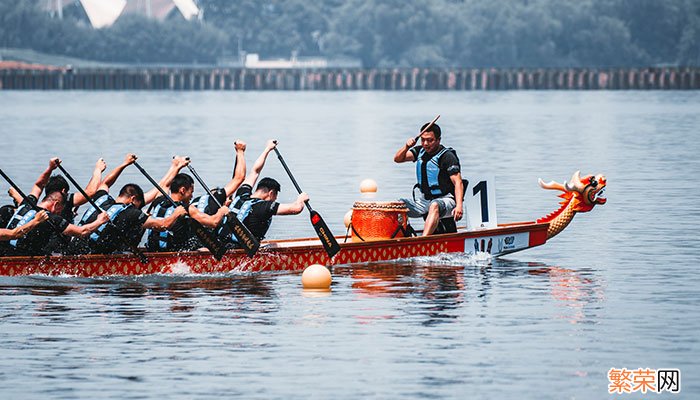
<point x="439" y="179"/>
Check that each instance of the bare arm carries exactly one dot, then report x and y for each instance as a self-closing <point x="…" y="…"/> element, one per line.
<point x="84" y="230"/>
<point x="161" y="224"/>
<point x="404" y="154"/>
<point x="210" y="221"/>
<point x="93" y="184"/>
<point x="15" y="195"/>
<point x="459" y="194"/>
<point x="239" y="173"/>
<point x="115" y="173"/>
<point x="44" y="177"/>
<point x="176" y="165"/>
<point x="16" y="233"/>
<point x="259" y="164"/>
<point x="293" y="208"/>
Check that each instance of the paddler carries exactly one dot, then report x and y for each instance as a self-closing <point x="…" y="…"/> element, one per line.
<point x="256" y="209"/>
<point x="441" y="190"/>
<point x="18" y="232"/>
<point x="57" y="183"/>
<point x="207" y="205"/>
<point x="36" y="242"/>
<point x="179" y="237"/>
<point x="7" y="211"/>
<point x="125" y="211"/>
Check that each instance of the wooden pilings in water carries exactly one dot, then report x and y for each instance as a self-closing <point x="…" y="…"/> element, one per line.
<point x="656" y="78"/>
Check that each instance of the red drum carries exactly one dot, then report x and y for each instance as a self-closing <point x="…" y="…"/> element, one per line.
<point x="378" y="220"/>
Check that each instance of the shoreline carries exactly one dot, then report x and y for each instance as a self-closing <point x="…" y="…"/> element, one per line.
<point x="37" y="77"/>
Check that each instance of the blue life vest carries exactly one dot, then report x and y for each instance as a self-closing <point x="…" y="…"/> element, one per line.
<point x="242" y="209"/>
<point x="91" y="213"/>
<point x="112" y="212"/>
<point x="160" y="240"/>
<point x="202" y="203"/>
<point x="432" y="169"/>
<point x="210" y="203"/>
<point x="24" y="214"/>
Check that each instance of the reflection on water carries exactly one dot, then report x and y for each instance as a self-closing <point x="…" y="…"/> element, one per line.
<point x="131" y="297"/>
<point x="437" y="289"/>
<point x="441" y="289"/>
<point x="470" y="313"/>
<point x="574" y="290"/>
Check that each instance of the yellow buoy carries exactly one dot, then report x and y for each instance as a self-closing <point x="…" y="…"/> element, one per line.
<point x="316" y="277"/>
<point x="368" y="186"/>
<point x="347" y="218"/>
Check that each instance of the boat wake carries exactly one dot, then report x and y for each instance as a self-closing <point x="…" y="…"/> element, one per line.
<point x="479" y="258"/>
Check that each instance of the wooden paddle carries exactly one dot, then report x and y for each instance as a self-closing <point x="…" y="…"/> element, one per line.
<point x="245" y="237"/>
<point x="327" y="239"/>
<point x="427" y="127"/>
<point x="121" y="236"/>
<point x="211" y="242"/>
<point x="33" y="205"/>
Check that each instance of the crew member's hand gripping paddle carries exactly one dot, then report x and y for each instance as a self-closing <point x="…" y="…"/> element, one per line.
<point x="211" y="242"/>
<point x="327" y="239"/>
<point x="249" y="242"/>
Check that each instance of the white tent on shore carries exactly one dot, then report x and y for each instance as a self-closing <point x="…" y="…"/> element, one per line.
<point x="103" y="13"/>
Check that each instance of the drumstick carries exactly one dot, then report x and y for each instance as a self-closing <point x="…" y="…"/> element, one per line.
<point x="430" y="124"/>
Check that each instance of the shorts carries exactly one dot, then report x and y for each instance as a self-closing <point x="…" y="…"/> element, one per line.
<point x="420" y="206"/>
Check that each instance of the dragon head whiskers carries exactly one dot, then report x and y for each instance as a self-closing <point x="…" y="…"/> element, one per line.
<point x="551" y="185"/>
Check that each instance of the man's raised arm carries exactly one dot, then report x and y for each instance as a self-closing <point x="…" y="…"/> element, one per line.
<point x="44" y="177"/>
<point x="93" y="184"/>
<point x="116" y="172"/>
<point x="259" y="164"/>
<point x="176" y="165"/>
<point x="239" y="172"/>
<point x="404" y="153"/>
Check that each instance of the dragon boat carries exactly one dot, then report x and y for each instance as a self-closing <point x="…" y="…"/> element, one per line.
<point x="578" y="195"/>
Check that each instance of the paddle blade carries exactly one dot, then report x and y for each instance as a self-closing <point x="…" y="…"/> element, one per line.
<point x="249" y="242"/>
<point x="327" y="239"/>
<point x="211" y="242"/>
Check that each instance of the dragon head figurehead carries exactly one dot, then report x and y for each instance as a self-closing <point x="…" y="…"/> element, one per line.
<point x="579" y="194"/>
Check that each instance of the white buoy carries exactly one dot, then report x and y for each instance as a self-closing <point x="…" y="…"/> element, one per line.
<point x="368" y="186"/>
<point x="316" y="277"/>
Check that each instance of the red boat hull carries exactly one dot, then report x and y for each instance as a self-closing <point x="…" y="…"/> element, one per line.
<point x="283" y="255"/>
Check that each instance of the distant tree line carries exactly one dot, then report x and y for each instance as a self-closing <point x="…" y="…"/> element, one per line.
<point x="132" y="39"/>
<point x="383" y="33"/>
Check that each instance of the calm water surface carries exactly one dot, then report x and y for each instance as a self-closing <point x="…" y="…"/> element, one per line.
<point x="618" y="288"/>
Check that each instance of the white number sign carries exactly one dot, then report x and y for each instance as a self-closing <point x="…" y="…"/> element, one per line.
<point x="480" y="201"/>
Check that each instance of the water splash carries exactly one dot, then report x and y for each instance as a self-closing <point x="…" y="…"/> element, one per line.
<point x="179" y="268"/>
<point x="480" y="258"/>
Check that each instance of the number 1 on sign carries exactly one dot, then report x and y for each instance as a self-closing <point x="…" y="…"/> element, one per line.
<point x="481" y="188"/>
<point x="481" y="202"/>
